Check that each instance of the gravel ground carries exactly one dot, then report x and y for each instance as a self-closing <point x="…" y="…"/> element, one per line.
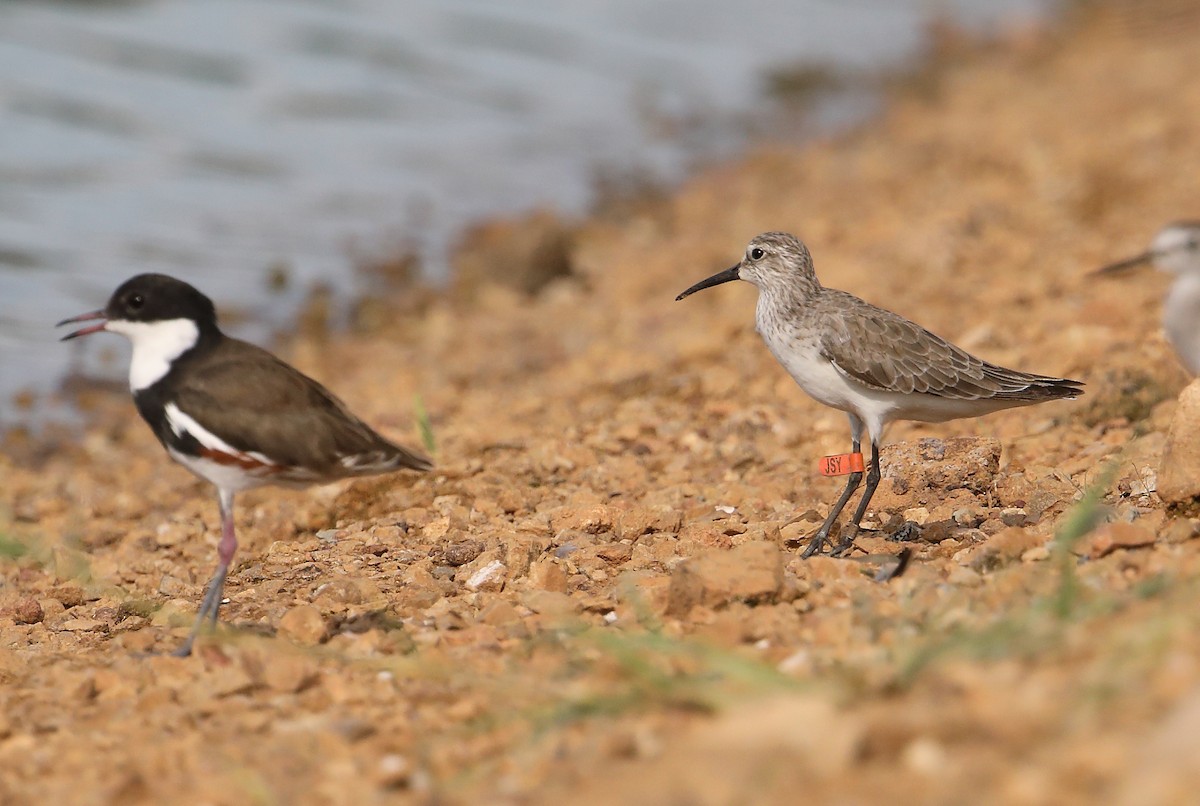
<point x="596" y="596"/>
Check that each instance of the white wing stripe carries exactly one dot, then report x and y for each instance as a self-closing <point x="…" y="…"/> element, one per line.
<point x="183" y="424"/>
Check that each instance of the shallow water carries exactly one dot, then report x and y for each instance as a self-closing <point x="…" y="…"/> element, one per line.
<point x="215" y="140"/>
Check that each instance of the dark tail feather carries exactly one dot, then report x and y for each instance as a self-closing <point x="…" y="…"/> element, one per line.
<point x="382" y="460"/>
<point x="1041" y="387"/>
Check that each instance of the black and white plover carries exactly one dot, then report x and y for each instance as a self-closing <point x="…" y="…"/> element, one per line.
<point x="230" y="412"/>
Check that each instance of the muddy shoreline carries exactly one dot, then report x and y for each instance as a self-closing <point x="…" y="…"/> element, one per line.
<point x="594" y="595"/>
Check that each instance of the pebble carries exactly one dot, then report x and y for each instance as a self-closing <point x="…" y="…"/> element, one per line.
<point x="751" y="572"/>
<point x="304" y="625"/>
<point x="490" y="577"/>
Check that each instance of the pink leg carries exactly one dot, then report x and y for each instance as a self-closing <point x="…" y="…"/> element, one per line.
<point x="213" y="594"/>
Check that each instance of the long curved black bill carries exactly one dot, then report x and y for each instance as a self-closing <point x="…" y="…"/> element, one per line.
<point x="726" y="276"/>
<point x="1123" y="265"/>
<point x="91" y="316"/>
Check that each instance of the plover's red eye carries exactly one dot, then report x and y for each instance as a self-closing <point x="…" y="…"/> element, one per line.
<point x="137" y="301"/>
<point x="756" y="253"/>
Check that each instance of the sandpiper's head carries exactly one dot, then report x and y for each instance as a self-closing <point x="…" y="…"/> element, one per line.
<point x="1175" y="249"/>
<point x="773" y="261"/>
<point x="162" y="316"/>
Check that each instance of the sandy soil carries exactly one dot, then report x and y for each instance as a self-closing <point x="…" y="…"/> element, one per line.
<point x="595" y="596"/>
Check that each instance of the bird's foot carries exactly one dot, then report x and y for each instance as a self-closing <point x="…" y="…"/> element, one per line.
<point x="185" y="649"/>
<point x="816" y="544"/>
<point x="846" y="544"/>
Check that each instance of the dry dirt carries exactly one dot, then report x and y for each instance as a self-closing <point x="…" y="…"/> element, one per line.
<point x="595" y="597"/>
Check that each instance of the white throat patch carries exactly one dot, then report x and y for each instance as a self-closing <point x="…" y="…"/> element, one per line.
<point x="155" y="346"/>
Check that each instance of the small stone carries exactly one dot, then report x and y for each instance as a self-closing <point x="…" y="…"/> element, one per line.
<point x="589" y="520"/>
<point x="490" y="577"/>
<point x="1114" y="536"/>
<point x="393" y="771"/>
<point x="967" y="517"/>
<point x="925" y="756"/>
<point x="83" y="625"/>
<point x="1012" y="543"/>
<point x="27" y="611"/>
<point x="550" y="603"/>
<point x="547" y="574"/>
<point x="751" y="573"/>
<point x="498" y="613"/>
<point x="962" y="577"/>
<point x="69" y="595"/>
<point x="1013" y="516"/>
<point x="289" y="673"/>
<point x="636" y="521"/>
<point x="918" y="515"/>
<point x="459" y="552"/>
<point x="304" y="625"/>
<point x="171" y="534"/>
<point x="1036" y="554"/>
<point x="227" y="680"/>
<point x="175" y="588"/>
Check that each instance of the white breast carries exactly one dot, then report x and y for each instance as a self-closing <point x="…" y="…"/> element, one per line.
<point x="155" y="346"/>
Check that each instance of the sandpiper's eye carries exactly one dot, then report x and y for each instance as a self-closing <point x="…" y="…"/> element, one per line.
<point x="137" y="301"/>
<point x="756" y="253"/>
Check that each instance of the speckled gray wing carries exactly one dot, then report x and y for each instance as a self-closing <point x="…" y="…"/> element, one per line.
<point x="270" y="408"/>
<point x="885" y="351"/>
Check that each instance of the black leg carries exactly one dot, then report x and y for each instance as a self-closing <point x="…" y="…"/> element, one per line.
<point x="847" y="541"/>
<point x="822" y="535"/>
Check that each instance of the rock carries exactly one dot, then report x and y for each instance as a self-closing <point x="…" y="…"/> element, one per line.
<point x="925" y="756"/>
<point x="83" y="625"/>
<point x="918" y="515"/>
<point x="498" y="613"/>
<point x="548" y="575"/>
<point x="1011" y="543"/>
<point x="27" y="611"/>
<point x="304" y="625"/>
<point x="224" y="681"/>
<point x="460" y="552"/>
<point x="644" y="591"/>
<point x="392" y="771"/>
<point x="1036" y="554"/>
<point x="750" y="573"/>
<point x="550" y="603"/>
<point x="1118" y="535"/>
<point x="289" y="673"/>
<point x="175" y="588"/>
<point x="490" y="577"/>
<point x="920" y="473"/>
<point x="1179" y="473"/>
<point x="593" y="520"/>
<point x="69" y="595"/>
<point x="335" y="595"/>
<point x="637" y="521"/>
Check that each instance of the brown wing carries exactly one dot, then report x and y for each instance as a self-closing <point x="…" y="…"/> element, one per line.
<point x="272" y="408"/>
<point x="885" y="351"/>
